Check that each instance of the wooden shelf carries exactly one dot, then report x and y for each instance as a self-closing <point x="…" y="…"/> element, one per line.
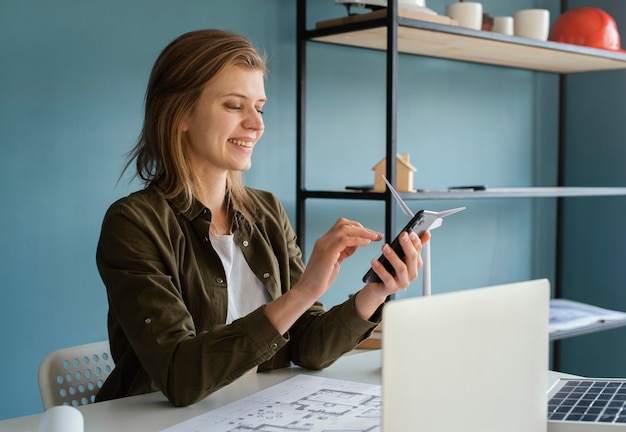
<point x="525" y="192"/>
<point x="434" y="39"/>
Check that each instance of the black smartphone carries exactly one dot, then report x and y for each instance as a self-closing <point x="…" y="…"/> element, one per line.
<point x="420" y="223"/>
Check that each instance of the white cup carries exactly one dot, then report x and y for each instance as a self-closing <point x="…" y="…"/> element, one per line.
<point x="532" y="23"/>
<point x="467" y="14"/>
<point x="503" y="24"/>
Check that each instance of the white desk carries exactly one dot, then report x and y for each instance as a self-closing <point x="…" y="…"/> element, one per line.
<point x="152" y="412"/>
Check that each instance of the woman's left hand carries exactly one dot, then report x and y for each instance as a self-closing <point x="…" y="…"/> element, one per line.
<point x="405" y="272"/>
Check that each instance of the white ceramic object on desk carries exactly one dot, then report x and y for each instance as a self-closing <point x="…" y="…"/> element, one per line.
<point x="467" y="14"/>
<point x="62" y="418"/>
<point x="532" y="23"/>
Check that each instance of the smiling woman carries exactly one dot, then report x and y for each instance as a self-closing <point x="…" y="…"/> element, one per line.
<point x="204" y="278"/>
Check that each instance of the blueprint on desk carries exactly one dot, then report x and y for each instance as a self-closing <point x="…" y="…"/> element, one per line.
<point x="303" y="403"/>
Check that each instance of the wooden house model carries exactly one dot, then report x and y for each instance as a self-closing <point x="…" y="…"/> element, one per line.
<point x="404" y="174"/>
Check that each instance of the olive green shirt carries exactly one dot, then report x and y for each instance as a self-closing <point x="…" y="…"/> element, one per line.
<point x="167" y="295"/>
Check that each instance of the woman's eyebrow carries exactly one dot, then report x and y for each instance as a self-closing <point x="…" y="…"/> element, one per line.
<point x="243" y="96"/>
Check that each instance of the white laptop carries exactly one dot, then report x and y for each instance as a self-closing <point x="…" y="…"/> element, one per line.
<point x="474" y="360"/>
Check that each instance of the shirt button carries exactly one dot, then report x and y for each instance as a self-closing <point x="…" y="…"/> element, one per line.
<point x="206" y="239"/>
<point x="148" y="320"/>
<point x="274" y="346"/>
<point x="219" y="280"/>
<point x="245" y="243"/>
<point x="266" y="275"/>
<point x="204" y="210"/>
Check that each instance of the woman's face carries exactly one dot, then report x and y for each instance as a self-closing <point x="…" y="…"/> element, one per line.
<point x="227" y="122"/>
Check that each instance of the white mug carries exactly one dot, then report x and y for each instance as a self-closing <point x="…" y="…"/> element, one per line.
<point x="467" y="14"/>
<point x="532" y="23"/>
<point x="503" y="24"/>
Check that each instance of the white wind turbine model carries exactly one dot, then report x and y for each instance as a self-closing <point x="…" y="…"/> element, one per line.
<point x="437" y="221"/>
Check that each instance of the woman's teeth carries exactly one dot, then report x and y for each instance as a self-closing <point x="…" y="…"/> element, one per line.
<point x="241" y="143"/>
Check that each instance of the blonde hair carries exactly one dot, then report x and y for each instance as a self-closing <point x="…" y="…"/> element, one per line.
<point x="178" y="76"/>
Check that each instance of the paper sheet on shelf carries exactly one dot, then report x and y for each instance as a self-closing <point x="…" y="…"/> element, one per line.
<point x="568" y="315"/>
<point x="303" y="403"/>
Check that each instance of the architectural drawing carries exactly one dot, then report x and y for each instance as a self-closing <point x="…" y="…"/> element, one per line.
<point x="303" y="403"/>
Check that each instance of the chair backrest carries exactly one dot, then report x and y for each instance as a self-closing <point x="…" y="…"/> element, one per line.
<point x="73" y="376"/>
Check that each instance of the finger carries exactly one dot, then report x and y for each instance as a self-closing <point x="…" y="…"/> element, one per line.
<point x="346" y="253"/>
<point x="355" y="229"/>
<point x="400" y="269"/>
<point x="386" y="278"/>
<point x="411" y="246"/>
<point x="346" y="236"/>
<point x="406" y="269"/>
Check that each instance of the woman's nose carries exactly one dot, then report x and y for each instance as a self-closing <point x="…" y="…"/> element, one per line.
<point x="254" y="120"/>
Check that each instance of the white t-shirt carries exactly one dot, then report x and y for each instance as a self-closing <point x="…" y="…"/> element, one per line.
<point x="245" y="291"/>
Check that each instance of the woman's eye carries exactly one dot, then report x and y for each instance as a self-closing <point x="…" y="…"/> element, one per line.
<point x="240" y="107"/>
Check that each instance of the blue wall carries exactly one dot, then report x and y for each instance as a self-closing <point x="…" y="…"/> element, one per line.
<point x="595" y="232"/>
<point x="72" y="82"/>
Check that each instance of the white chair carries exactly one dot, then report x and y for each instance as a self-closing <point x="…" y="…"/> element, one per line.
<point x="73" y="376"/>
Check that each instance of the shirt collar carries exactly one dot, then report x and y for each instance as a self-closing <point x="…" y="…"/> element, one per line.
<point x="192" y="212"/>
<point x="197" y="208"/>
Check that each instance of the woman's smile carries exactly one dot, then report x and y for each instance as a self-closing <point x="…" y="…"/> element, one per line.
<point x="242" y="143"/>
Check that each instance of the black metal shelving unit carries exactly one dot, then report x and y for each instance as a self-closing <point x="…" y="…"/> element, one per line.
<point x="393" y="33"/>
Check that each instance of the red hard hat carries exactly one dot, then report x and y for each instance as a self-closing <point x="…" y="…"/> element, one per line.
<point x="588" y="26"/>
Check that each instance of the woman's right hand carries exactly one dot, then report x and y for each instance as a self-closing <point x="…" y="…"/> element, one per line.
<point x="330" y="251"/>
<point x="323" y="266"/>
